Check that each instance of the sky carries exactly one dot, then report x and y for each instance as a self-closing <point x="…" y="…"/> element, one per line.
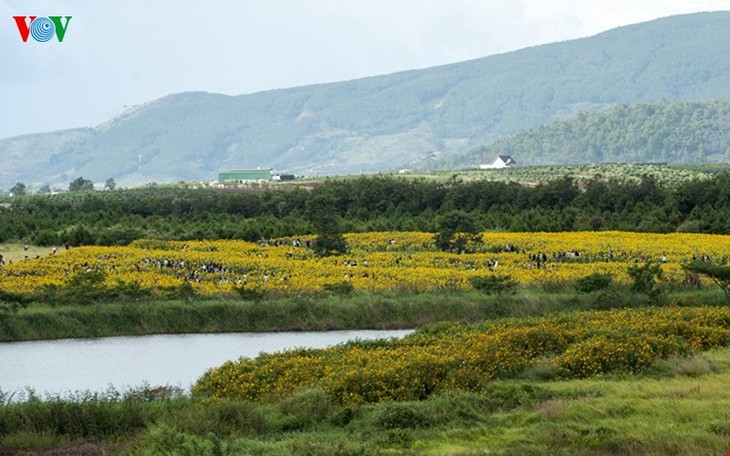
<point x="119" y="54"/>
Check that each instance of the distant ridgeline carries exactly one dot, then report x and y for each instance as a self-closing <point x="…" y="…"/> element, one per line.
<point x="411" y="118"/>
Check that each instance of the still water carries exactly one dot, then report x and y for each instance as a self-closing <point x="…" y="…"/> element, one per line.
<point x="65" y="366"/>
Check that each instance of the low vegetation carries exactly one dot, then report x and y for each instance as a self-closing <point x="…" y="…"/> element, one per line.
<point x="673" y="404"/>
<point x="530" y="342"/>
<point x="451" y="357"/>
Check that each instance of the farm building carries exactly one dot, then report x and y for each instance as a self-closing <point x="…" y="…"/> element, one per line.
<point x="245" y="175"/>
<point x="283" y="177"/>
<point x="500" y="161"/>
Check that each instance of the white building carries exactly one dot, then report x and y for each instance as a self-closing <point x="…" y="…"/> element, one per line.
<point x="500" y="161"/>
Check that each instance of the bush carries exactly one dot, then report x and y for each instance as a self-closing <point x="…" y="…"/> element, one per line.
<point x="84" y="416"/>
<point x="506" y="396"/>
<point x="86" y="287"/>
<point x="130" y="290"/>
<point x="12" y="302"/>
<point x="400" y="416"/>
<point x="543" y="370"/>
<point x="79" y="235"/>
<point x="46" y="237"/>
<point x="611" y="298"/>
<point x="168" y="440"/>
<point x="308" y="407"/>
<point x="119" y="235"/>
<point x="719" y="273"/>
<point x="593" y="282"/>
<point x="688" y="366"/>
<point x="603" y="354"/>
<point x="223" y="418"/>
<point x="645" y="277"/>
<point x="494" y="284"/>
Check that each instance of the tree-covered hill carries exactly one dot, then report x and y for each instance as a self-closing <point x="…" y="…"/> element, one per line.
<point x="392" y="121"/>
<point x="680" y="132"/>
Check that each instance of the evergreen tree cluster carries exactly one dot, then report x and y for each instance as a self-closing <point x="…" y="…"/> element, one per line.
<point x="376" y="203"/>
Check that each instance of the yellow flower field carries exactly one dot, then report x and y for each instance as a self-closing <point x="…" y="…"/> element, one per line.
<point x="376" y="262"/>
<point x="467" y="357"/>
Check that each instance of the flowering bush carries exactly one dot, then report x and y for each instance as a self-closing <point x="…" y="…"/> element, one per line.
<point x="467" y="358"/>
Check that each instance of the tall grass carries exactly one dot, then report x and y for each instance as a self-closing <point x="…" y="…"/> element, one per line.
<point x="310" y="313"/>
<point x="83" y="416"/>
<point x="667" y="413"/>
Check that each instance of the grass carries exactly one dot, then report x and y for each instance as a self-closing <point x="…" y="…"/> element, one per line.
<point x="608" y="415"/>
<point x="310" y="313"/>
<point x="17" y="252"/>
<point x="657" y="413"/>
<point x="677" y="406"/>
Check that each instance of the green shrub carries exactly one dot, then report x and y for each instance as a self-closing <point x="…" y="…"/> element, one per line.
<point x="169" y="441"/>
<point x="79" y="235"/>
<point x="544" y="369"/>
<point x="494" y="284"/>
<point x="130" y="290"/>
<point x="593" y="282"/>
<point x="118" y="235"/>
<point x="23" y="441"/>
<point x="308" y="407"/>
<point x="397" y="415"/>
<point x="12" y="302"/>
<point x="554" y="285"/>
<point x="223" y="418"/>
<point x="645" y="277"/>
<point x="400" y="438"/>
<point x="46" y="237"/>
<point x="87" y="416"/>
<point x="84" y="287"/>
<point x="343" y="416"/>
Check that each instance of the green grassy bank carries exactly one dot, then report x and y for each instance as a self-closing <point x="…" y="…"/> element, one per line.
<point x="371" y="311"/>
<point x="678" y="406"/>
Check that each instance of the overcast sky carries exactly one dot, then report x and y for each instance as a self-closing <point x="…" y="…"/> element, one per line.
<point x="121" y="53"/>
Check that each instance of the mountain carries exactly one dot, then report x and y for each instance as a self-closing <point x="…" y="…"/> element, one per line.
<point x="386" y="122"/>
<point x="667" y="132"/>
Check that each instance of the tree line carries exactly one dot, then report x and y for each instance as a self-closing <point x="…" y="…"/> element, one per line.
<point x="373" y="203"/>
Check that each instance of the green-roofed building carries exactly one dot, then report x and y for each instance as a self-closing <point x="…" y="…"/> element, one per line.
<point x="245" y="175"/>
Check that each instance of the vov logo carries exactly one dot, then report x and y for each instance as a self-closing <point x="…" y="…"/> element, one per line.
<point x="42" y="29"/>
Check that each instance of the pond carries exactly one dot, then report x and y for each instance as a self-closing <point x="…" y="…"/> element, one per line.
<point x="60" y="367"/>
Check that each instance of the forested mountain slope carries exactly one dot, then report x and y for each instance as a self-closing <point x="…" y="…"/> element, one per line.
<point x="392" y="121"/>
<point x="680" y="132"/>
